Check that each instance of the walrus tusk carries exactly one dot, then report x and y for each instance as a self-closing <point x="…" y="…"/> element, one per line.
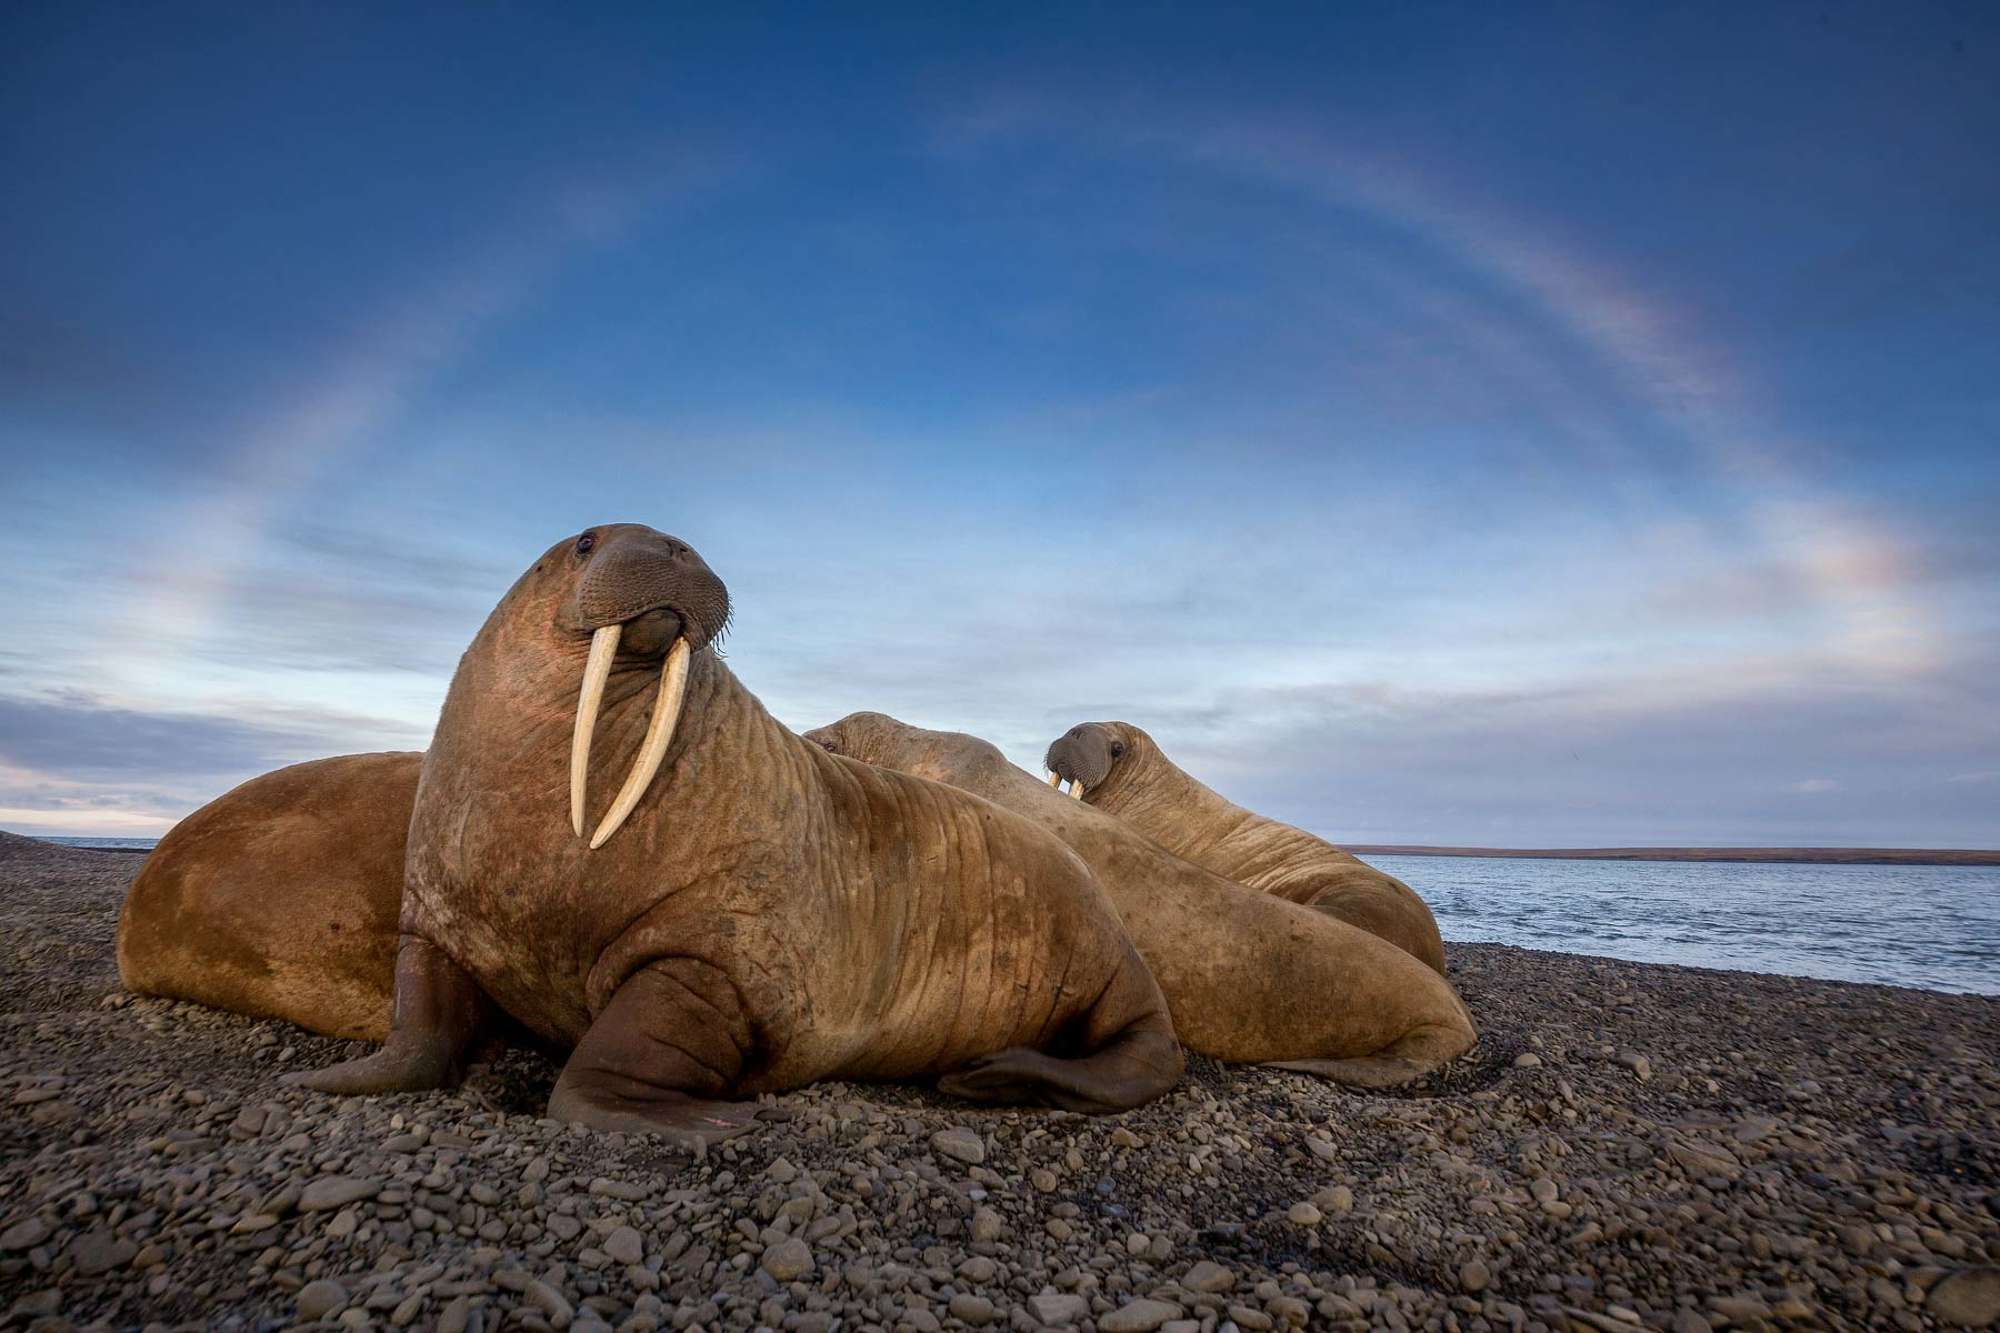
<point x="1076" y="788"/>
<point x="1055" y="780"/>
<point x="603" y="647"/>
<point x="659" y="733"/>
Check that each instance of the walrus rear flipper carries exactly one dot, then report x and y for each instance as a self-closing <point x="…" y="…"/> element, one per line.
<point x="440" y="1013"/>
<point x="1416" y="1055"/>
<point x="1139" y="1063"/>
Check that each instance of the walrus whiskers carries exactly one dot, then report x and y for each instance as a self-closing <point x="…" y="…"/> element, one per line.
<point x="659" y="734"/>
<point x="603" y="647"/>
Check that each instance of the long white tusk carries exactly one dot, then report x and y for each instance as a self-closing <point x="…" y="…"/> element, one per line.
<point x="659" y="734"/>
<point x="1076" y="788"/>
<point x="1055" y="780"/>
<point x="603" y="647"/>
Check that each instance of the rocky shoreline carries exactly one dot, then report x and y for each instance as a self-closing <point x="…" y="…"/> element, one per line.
<point x="1630" y="1146"/>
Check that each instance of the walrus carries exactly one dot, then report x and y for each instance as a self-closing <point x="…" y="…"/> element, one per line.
<point x="279" y="899"/>
<point x="1119" y="769"/>
<point x="750" y="913"/>
<point x="1249" y="977"/>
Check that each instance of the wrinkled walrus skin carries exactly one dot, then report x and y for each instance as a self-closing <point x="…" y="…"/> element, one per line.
<point x="768" y="915"/>
<point x="279" y="899"/>
<point x="1249" y="978"/>
<point x="1123" y="773"/>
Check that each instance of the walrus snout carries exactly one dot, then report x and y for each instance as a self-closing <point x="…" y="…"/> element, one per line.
<point x="1082" y="757"/>
<point x="630" y="571"/>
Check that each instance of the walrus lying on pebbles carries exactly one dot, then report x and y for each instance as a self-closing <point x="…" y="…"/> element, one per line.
<point x="751" y="913"/>
<point x="279" y="899"/>
<point x="1118" y="768"/>
<point x="1249" y="977"/>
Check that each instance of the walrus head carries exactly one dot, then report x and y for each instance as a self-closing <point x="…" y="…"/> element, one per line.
<point x="1085" y="755"/>
<point x="857" y="736"/>
<point x="637" y="594"/>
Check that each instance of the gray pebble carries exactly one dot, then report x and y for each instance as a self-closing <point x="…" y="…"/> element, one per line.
<point x="320" y="1298"/>
<point x="959" y="1144"/>
<point x="330" y="1192"/>
<point x="1058" y="1309"/>
<point x="1140" y="1316"/>
<point x="1969" y="1298"/>
<point x="625" y="1245"/>
<point x="788" y="1260"/>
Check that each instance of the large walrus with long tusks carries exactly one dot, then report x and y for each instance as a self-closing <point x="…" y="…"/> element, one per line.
<point x="1249" y="977"/>
<point x="750" y="913"/>
<point x="279" y="899"/>
<point x="1118" y="768"/>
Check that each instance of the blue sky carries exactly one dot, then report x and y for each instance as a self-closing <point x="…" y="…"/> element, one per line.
<point x="1457" y="424"/>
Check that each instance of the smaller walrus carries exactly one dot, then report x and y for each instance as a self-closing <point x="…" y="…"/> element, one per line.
<point x="1119" y="769"/>
<point x="751" y="913"/>
<point x="1250" y="978"/>
<point x="279" y="899"/>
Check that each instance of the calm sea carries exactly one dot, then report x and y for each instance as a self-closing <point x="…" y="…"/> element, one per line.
<point x="1937" y="927"/>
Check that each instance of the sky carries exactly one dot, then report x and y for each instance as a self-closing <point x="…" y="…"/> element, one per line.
<point x="1564" y="425"/>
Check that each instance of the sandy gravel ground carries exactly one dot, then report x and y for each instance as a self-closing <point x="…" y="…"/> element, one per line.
<point x="1630" y="1146"/>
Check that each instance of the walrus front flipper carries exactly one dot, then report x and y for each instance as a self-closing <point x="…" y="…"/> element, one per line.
<point x="439" y="1014"/>
<point x="1138" y="1064"/>
<point x="659" y="1057"/>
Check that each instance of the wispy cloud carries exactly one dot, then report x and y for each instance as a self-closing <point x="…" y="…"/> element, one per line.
<point x="359" y="394"/>
<point x="1657" y="354"/>
<point x="1384" y="763"/>
<point x="73" y="762"/>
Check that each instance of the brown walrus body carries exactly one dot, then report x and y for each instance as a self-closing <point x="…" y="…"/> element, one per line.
<point x="1123" y="772"/>
<point x="279" y="899"/>
<point x="754" y="913"/>
<point x="1249" y="977"/>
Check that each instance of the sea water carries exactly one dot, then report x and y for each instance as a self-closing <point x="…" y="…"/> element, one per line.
<point x="1937" y="927"/>
<point x="109" y="844"/>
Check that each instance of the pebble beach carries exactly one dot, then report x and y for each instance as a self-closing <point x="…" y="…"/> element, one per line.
<point x="1631" y="1146"/>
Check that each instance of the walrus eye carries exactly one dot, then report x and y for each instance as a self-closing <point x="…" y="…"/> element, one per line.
<point x="1117" y="749"/>
<point x="586" y="543"/>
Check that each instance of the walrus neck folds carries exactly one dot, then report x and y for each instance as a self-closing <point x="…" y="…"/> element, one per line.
<point x="1150" y="791"/>
<point x="1122" y="778"/>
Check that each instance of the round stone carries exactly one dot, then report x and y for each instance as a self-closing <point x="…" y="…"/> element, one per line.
<point x="788" y="1260"/>
<point x="320" y="1298"/>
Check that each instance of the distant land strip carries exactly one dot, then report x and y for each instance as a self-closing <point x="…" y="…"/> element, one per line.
<point x="1851" y="856"/>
